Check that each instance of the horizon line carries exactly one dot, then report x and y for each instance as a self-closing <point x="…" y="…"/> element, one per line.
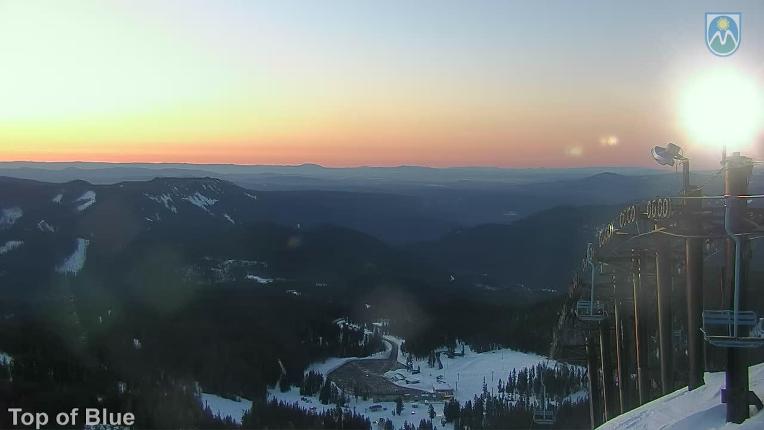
<point x="307" y="164"/>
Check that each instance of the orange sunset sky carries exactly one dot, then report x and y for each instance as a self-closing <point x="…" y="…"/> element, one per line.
<point x="347" y="83"/>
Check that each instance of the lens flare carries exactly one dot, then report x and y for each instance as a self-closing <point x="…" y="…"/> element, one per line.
<point x="723" y="107"/>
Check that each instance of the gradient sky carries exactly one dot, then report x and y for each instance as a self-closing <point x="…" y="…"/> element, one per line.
<point x="345" y="83"/>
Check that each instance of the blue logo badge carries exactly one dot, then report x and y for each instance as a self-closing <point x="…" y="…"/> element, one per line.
<point x="723" y="33"/>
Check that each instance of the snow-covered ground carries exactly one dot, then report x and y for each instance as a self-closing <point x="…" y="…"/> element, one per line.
<point x="410" y="413"/>
<point x="362" y="407"/>
<point x="700" y="409"/>
<point x="45" y="227"/>
<point x="5" y="359"/>
<point x="259" y="279"/>
<point x="9" y="216"/>
<point x="10" y="246"/>
<point x="165" y="200"/>
<point x="466" y="374"/>
<point x="200" y="200"/>
<point x="226" y="407"/>
<point x="75" y="262"/>
<point x="87" y="199"/>
<point x="470" y="370"/>
<point x="331" y="363"/>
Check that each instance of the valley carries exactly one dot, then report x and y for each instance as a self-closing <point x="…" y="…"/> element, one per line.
<point x="214" y="292"/>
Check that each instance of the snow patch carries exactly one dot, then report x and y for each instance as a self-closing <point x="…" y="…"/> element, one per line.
<point x="10" y="246"/>
<point x="251" y="196"/>
<point x="227" y="217"/>
<point x="87" y="199"/>
<point x="75" y="262"/>
<point x="330" y="364"/>
<point x="226" y="407"/>
<point x="472" y="369"/>
<point x="5" y="359"/>
<point x="699" y="409"/>
<point x="9" y="216"/>
<point x="200" y="200"/>
<point x="164" y="199"/>
<point x="45" y="227"/>
<point x="259" y="280"/>
<point x="57" y="198"/>
<point x="410" y="414"/>
<point x="464" y="373"/>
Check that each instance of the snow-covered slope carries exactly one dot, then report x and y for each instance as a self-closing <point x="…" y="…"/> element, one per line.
<point x="223" y="407"/>
<point x="469" y="370"/>
<point x="76" y="261"/>
<point x="10" y="246"/>
<point x="330" y="364"/>
<point x="9" y="216"/>
<point x="410" y="414"/>
<point x="86" y="200"/>
<point x="700" y="409"/>
<point x="465" y="374"/>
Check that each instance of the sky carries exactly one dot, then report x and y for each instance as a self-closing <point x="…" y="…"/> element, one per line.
<point x="349" y="83"/>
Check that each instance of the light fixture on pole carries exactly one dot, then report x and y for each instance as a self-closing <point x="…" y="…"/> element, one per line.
<point x="691" y="221"/>
<point x="668" y="155"/>
<point x="665" y="156"/>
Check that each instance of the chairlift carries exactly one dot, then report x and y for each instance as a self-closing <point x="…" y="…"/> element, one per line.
<point x="734" y="321"/>
<point x="544" y="416"/>
<point x="729" y="322"/>
<point x="586" y="310"/>
<point x="590" y="310"/>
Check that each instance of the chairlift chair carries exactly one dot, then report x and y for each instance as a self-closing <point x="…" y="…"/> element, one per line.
<point x="716" y="321"/>
<point x="544" y="416"/>
<point x="722" y="328"/>
<point x="586" y="310"/>
<point x="590" y="310"/>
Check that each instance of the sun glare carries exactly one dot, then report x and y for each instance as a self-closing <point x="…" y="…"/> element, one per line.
<point x="723" y="107"/>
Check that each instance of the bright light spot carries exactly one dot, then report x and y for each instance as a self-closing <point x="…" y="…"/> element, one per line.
<point x="574" y="151"/>
<point x="722" y="107"/>
<point x="609" y="141"/>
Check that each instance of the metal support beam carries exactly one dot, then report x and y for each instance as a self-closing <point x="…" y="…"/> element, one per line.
<point x="694" y="268"/>
<point x="595" y="417"/>
<point x="640" y="332"/>
<point x="620" y="371"/>
<point x="663" y="274"/>
<point x="628" y="353"/>
<point x="738" y="170"/>
<point x="607" y="371"/>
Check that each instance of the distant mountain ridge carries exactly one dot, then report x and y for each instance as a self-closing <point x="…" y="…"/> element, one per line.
<point x="181" y="230"/>
<point x="540" y="252"/>
<point x="314" y="174"/>
<point x="44" y="225"/>
<point x="398" y="204"/>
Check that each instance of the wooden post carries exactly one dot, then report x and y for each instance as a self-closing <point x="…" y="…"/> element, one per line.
<point x="640" y="335"/>
<point x="694" y="266"/>
<point x="620" y="371"/>
<point x="594" y="393"/>
<point x="607" y="371"/>
<point x="663" y="273"/>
